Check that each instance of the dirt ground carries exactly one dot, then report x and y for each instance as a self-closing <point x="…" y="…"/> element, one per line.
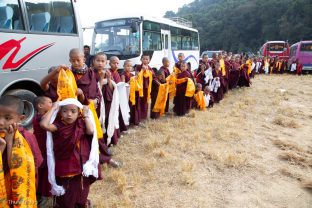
<point x="254" y="149"/>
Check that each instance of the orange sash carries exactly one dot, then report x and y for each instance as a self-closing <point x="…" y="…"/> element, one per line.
<point x="20" y="181"/>
<point x="98" y="128"/>
<point x="66" y="85"/>
<point x="199" y="98"/>
<point x="190" y="88"/>
<point x="222" y="66"/>
<point x="171" y="81"/>
<point x="145" y="74"/>
<point x="161" y="99"/>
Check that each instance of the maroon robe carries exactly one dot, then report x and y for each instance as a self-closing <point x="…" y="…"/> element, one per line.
<point x="200" y="77"/>
<point x="116" y="78"/>
<point x="244" y="80"/>
<point x="108" y="97"/>
<point x="51" y="93"/>
<point x="154" y="93"/>
<point x="44" y="186"/>
<point x="135" y="116"/>
<point x="88" y="83"/>
<point x="143" y="100"/>
<point x="166" y="73"/>
<point x="71" y="150"/>
<point x="226" y="77"/>
<point x="234" y="75"/>
<point x="218" y="96"/>
<point x="182" y="103"/>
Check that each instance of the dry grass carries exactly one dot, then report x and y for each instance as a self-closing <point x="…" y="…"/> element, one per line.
<point x="223" y="157"/>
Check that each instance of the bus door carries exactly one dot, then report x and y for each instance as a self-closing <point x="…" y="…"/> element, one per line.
<point x="165" y="43"/>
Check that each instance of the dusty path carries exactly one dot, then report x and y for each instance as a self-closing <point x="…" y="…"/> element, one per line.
<point x="254" y="149"/>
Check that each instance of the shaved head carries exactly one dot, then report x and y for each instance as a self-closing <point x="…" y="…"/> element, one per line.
<point x="75" y="51"/>
<point x="13" y="102"/>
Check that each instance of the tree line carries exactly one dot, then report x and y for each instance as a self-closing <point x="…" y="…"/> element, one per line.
<point x="245" y="25"/>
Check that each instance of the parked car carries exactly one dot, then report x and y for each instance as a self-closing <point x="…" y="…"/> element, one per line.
<point x="210" y="53"/>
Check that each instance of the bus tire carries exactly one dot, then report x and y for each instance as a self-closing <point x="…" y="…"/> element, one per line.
<point x="28" y="98"/>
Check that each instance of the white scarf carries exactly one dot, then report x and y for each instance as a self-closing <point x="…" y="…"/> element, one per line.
<point x="89" y="168"/>
<point x="258" y="65"/>
<point x="215" y="84"/>
<point x="293" y="67"/>
<point x="113" y="122"/>
<point x="207" y="100"/>
<point x="124" y="102"/>
<point x="208" y="75"/>
<point x="102" y="110"/>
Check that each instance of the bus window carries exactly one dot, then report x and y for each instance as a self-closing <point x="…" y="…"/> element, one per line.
<point x="176" y="42"/>
<point x="306" y="47"/>
<point x="151" y="41"/>
<point x="276" y="47"/>
<point x="51" y="16"/>
<point x="186" y="43"/>
<point x="10" y="15"/>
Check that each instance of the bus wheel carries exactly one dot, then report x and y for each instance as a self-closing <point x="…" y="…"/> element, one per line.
<point x="28" y="98"/>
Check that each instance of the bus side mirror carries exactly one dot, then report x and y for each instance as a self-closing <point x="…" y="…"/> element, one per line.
<point x="134" y="27"/>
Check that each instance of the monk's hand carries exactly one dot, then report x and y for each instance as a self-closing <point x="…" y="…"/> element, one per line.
<point x="95" y="102"/>
<point x="85" y="111"/>
<point x="144" y="67"/>
<point x="2" y="145"/>
<point x="55" y="106"/>
<point x="10" y="131"/>
<point x="62" y="66"/>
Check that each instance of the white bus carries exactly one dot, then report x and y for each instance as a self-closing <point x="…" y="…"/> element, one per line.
<point x="34" y="35"/>
<point x="130" y="37"/>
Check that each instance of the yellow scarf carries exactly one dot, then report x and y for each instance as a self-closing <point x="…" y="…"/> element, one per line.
<point x="98" y="128"/>
<point x="20" y="181"/>
<point x="222" y="66"/>
<point x="146" y="74"/>
<point x="249" y="63"/>
<point x="3" y="194"/>
<point x="190" y="88"/>
<point x="172" y="85"/>
<point x="199" y="98"/>
<point x="176" y="70"/>
<point x="66" y="85"/>
<point x="161" y="99"/>
<point x="278" y="65"/>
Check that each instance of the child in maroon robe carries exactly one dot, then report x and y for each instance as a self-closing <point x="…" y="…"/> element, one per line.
<point x="86" y="79"/>
<point x="182" y="104"/>
<point x="209" y="100"/>
<point x="42" y="105"/>
<point x="49" y="83"/>
<point x="244" y="80"/>
<point x="11" y="115"/>
<point x="165" y="70"/>
<point x="159" y="79"/>
<point x="114" y="64"/>
<point x="99" y="62"/>
<point x="135" y="110"/>
<point x="72" y="136"/>
<point x="216" y="72"/>
<point x="145" y="59"/>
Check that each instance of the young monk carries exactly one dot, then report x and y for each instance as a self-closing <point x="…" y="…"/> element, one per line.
<point x="114" y="65"/>
<point x="135" y="110"/>
<point x="42" y="105"/>
<point x="177" y="66"/>
<point x="86" y="79"/>
<point x="159" y="79"/>
<point x="244" y="80"/>
<point x="165" y="70"/>
<point x="72" y="136"/>
<point x="99" y="62"/>
<point x="217" y="75"/>
<point x="145" y="75"/>
<point x="209" y="101"/>
<point x="20" y="156"/>
<point x="182" y="103"/>
<point x="199" y="97"/>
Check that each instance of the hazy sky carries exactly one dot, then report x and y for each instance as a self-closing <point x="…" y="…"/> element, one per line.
<point x="94" y="10"/>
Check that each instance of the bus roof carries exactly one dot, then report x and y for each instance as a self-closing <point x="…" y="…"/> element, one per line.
<point x="276" y="41"/>
<point x="154" y="19"/>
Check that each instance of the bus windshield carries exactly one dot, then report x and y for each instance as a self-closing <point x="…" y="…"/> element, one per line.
<point x="306" y="47"/>
<point x="117" y="40"/>
<point x="276" y="47"/>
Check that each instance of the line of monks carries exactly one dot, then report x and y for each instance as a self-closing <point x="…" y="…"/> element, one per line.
<point x="83" y="113"/>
